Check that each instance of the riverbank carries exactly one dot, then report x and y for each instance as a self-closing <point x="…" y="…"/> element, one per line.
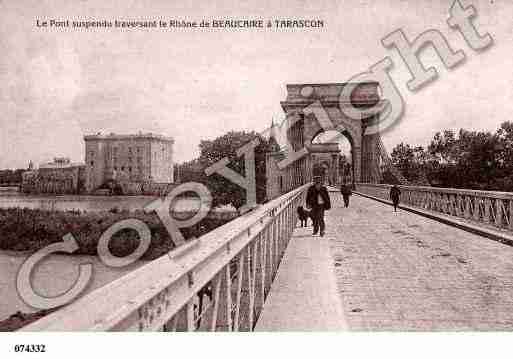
<point x="24" y="229"/>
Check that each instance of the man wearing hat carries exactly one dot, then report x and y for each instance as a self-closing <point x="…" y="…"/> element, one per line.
<point x="318" y="199"/>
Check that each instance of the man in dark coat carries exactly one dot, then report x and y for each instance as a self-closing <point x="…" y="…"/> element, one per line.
<point x="395" y="195"/>
<point x="318" y="199"/>
<point x="346" y="191"/>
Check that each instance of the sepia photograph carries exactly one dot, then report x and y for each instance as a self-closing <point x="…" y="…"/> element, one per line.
<point x="316" y="168"/>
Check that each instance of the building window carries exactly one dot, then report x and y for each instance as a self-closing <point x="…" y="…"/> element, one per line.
<point x="129" y="159"/>
<point x="115" y="168"/>
<point x="129" y="149"/>
<point x="122" y="168"/>
<point x="138" y="149"/>
<point x="129" y="169"/>
<point x="92" y="163"/>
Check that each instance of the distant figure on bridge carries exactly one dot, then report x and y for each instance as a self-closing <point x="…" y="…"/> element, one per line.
<point x="395" y="195"/>
<point x="318" y="199"/>
<point x="346" y="191"/>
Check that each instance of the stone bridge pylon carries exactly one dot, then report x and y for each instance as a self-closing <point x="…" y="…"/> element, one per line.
<point x="314" y="108"/>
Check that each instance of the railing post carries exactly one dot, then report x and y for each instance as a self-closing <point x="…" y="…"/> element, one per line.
<point x="271" y="248"/>
<point x="224" y="318"/>
<point x="261" y="273"/>
<point x="487" y="205"/>
<point x="477" y="208"/>
<point x="283" y="221"/>
<point x="238" y="295"/>
<point x="251" y="268"/>
<point x="498" y="212"/>
<point x="467" y="200"/>
<point x="459" y="205"/>
<point x="170" y="326"/>
<point x="181" y="319"/>
<point x="215" y="310"/>
<point x="276" y="243"/>
<point x="510" y="216"/>
<point x="191" y="324"/>
<point x="280" y="238"/>
<point x="269" y="258"/>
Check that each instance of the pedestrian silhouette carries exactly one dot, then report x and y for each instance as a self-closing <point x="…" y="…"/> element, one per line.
<point x="318" y="199"/>
<point x="346" y="191"/>
<point x="395" y="195"/>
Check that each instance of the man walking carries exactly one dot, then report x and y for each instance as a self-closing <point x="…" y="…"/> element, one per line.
<point x="346" y="191"/>
<point x="318" y="199"/>
<point x="395" y="194"/>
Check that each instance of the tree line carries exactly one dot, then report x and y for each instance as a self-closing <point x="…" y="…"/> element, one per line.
<point x="224" y="191"/>
<point x="464" y="159"/>
<point x="11" y="176"/>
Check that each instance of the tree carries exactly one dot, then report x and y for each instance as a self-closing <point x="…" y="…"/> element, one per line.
<point x="505" y="155"/>
<point x="410" y="161"/>
<point x="223" y="190"/>
<point x="466" y="159"/>
<point x="191" y="171"/>
<point x="443" y="147"/>
<point x="11" y="176"/>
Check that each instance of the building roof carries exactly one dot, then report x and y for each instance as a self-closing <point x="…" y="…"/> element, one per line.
<point x="60" y="162"/>
<point x="140" y="135"/>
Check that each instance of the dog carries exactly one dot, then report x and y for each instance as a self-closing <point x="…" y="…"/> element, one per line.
<point x="303" y="215"/>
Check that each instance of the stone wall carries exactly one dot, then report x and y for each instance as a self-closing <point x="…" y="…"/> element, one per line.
<point x="146" y="188"/>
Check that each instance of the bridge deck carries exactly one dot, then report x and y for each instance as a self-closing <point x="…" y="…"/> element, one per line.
<point x="394" y="271"/>
<point x="304" y="294"/>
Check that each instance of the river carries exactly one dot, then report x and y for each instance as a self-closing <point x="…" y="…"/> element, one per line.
<point x="52" y="277"/>
<point x="12" y="198"/>
<point x="57" y="272"/>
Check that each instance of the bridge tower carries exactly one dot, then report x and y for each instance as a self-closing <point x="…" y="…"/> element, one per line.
<point x="314" y="108"/>
<point x="318" y="107"/>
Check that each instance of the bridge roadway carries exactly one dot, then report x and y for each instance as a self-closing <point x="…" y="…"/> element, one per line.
<point x="380" y="270"/>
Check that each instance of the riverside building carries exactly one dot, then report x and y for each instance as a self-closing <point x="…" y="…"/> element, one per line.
<point x="143" y="157"/>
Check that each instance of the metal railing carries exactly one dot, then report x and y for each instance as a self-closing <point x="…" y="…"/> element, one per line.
<point x="488" y="207"/>
<point x="218" y="282"/>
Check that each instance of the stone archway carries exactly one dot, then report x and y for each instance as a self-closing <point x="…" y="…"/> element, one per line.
<point x="329" y="152"/>
<point x="305" y="101"/>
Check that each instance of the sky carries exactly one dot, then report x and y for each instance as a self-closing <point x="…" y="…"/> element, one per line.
<point x="58" y="84"/>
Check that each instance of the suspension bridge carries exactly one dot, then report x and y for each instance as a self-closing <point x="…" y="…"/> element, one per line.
<point x="443" y="261"/>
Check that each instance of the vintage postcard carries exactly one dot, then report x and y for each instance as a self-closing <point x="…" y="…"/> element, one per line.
<point x="255" y="166"/>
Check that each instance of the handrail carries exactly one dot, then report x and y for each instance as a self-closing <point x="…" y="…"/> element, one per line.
<point x="473" y="192"/>
<point x="488" y="207"/>
<point x="170" y="292"/>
